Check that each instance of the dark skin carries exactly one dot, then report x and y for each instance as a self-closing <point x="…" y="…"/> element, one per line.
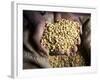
<point x="34" y="54"/>
<point x="36" y="25"/>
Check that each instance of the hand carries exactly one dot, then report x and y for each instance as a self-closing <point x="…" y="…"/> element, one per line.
<point x="35" y="28"/>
